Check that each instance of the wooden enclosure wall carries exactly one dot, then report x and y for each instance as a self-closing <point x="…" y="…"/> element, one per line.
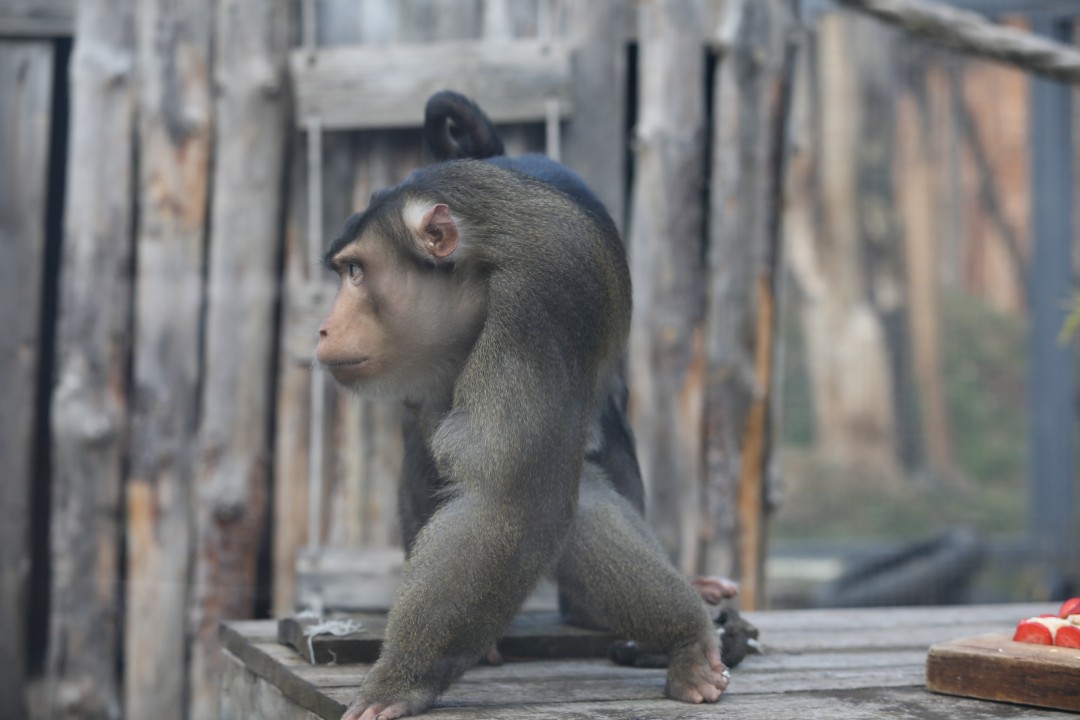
<point x="181" y="407"/>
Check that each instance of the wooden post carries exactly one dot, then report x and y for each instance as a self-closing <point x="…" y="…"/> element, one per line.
<point x="90" y="399"/>
<point x="752" y="98"/>
<point x="595" y="140"/>
<point x="667" y="368"/>
<point x="231" y="484"/>
<point x="26" y="77"/>
<point x="174" y="135"/>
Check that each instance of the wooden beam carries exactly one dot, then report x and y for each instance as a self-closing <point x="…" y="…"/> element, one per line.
<point x="974" y="34"/>
<point x="994" y="8"/>
<point x="37" y="18"/>
<point x="383" y="86"/>
<point x="26" y="85"/>
<point x="90" y="398"/>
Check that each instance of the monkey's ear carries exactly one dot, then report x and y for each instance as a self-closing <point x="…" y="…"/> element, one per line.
<point x="437" y="231"/>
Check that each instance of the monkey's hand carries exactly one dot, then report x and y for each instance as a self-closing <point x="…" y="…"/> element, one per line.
<point x="382" y="697"/>
<point x="696" y="674"/>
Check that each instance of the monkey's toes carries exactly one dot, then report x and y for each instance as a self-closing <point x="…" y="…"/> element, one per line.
<point x="697" y="676"/>
<point x="360" y="710"/>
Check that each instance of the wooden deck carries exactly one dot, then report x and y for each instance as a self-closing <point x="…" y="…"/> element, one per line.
<point x="830" y="664"/>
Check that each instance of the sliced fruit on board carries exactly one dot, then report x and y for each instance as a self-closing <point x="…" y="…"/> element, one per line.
<point x="1070" y="607"/>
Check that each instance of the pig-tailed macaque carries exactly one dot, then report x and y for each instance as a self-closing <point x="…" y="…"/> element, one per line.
<point x="493" y="298"/>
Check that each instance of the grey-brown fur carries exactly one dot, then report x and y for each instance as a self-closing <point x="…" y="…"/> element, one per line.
<point x="512" y="470"/>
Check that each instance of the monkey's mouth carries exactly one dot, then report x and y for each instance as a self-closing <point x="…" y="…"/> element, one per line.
<point x="346" y="371"/>
<point x="344" y="364"/>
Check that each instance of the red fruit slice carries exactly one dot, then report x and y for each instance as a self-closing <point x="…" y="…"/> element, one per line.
<point x="1068" y="636"/>
<point x="1033" y="631"/>
<point x="1070" y="607"/>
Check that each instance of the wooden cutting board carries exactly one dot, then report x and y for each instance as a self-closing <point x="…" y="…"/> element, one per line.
<point x="993" y="667"/>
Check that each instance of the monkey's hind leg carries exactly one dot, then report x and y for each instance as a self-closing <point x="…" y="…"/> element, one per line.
<point x="615" y="571"/>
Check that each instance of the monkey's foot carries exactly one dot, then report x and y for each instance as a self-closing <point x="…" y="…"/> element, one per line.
<point x="714" y="589"/>
<point x="696" y="674"/>
<point x="363" y="709"/>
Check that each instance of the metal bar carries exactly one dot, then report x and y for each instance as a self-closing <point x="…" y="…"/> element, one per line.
<point x="1052" y="367"/>
<point x="316" y="443"/>
<point x="553" y="130"/>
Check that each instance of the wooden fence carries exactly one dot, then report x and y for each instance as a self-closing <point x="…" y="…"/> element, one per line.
<point x="158" y="453"/>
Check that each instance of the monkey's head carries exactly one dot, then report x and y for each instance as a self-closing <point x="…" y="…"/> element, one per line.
<point x="407" y="309"/>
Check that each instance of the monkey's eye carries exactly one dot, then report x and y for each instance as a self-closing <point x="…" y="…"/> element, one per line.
<point x="355" y="271"/>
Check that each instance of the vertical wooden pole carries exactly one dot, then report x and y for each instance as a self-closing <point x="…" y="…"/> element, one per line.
<point x="251" y="42"/>
<point x="90" y="399"/>
<point x="594" y="141"/>
<point x="751" y="98"/>
<point x="666" y="245"/>
<point x="26" y="77"/>
<point x="174" y="135"/>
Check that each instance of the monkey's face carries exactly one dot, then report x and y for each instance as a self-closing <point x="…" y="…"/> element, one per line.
<point x="396" y="328"/>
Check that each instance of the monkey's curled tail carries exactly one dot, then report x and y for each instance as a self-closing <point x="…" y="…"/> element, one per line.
<point x="455" y="127"/>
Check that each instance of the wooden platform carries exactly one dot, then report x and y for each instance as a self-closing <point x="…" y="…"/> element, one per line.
<point x="829" y="664"/>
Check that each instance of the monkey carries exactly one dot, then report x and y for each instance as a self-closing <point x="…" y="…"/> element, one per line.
<point x="492" y="297"/>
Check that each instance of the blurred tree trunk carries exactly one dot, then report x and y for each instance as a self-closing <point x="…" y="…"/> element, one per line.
<point x="853" y="401"/>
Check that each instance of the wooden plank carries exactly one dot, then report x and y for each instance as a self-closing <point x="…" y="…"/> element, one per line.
<point x="828" y="683"/>
<point x="246" y="695"/>
<point x="666" y="353"/>
<point x="387" y="85"/>
<point x="26" y="77"/>
<point x="90" y="398"/>
<point x="231" y="484"/>
<point x="37" y="18"/>
<point x="531" y="635"/>
<point x="993" y="667"/>
<point x="174" y="136"/>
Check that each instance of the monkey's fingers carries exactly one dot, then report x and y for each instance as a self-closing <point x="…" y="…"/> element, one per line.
<point x="714" y="589"/>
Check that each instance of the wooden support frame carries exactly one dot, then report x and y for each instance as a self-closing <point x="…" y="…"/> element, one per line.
<point x="383" y="86"/>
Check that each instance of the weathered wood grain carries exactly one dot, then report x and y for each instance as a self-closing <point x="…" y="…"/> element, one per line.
<point x="90" y="397"/>
<point x="993" y="667"/>
<point x="828" y="681"/>
<point x="231" y="482"/>
<point x="26" y="75"/>
<point x="752" y="93"/>
<point x="666" y="354"/>
<point x="387" y="85"/>
<point x="174" y="144"/>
